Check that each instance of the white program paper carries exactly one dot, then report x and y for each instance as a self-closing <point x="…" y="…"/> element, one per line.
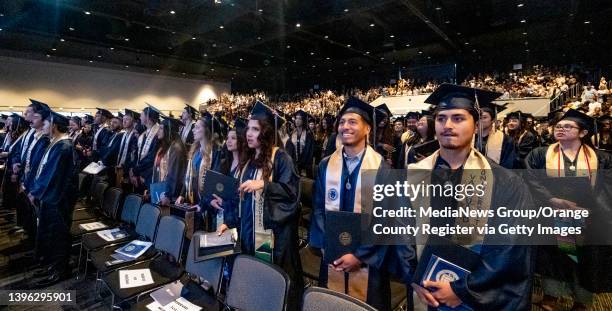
<point x="134" y="249"/>
<point x="92" y="226"/>
<point x="93" y="168"/>
<point x="112" y="234"/>
<point x="135" y="278"/>
<point x="180" y="304"/>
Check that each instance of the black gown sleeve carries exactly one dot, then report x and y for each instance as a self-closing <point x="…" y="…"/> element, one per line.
<point x="281" y="195"/>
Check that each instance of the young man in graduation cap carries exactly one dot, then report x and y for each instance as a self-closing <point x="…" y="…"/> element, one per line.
<point x="411" y="119"/>
<point x="338" y="188"/>
<point x="302" y="144"/>
<point x="109" y="153"/>
<point x="573" y="155"/>
<point x="188" y="118"/>
<point x="141" y="172"/>
<point x="502" y="278"/>
<point x="128" y="146"/>
<point x="101" y="133"/>
<point x="54" y="193"/>
<point x="494" y="144"/>
<point x="18" y="159"/>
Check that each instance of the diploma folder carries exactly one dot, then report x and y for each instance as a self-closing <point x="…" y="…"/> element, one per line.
<point x="222" y="185"/>
<point x="342" y="234"/>
<point x="442" y="259"/>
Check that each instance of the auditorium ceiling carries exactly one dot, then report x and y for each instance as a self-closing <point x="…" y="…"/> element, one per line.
<point x="282" y="43"/>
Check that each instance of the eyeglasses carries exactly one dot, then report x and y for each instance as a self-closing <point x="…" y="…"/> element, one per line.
<point x="565" y="127"/>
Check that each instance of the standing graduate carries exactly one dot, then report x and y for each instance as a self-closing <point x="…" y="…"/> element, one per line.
<point x="128" y="147"/>
<point x="524" y="140"/>
<point x="411" y="119"/>
<point x="269" y="208"/>
<point x="425" y="133"/>
<point x="603" y="138"/>
<point x="329" y="133"/>
<point x="384" y="134"/>
<point x="18" y="159"/>
<point x="302" y="142"/>
<point x="74" y="128"/>
<point x="502" y="278"/>
<point x="170" y="161"/>
<point x="205" y="154"/>
<point x="338" y="188"/>
<point x="101" y="133"/>
<point x="573" y="155"/>
<point x="188" y="117"/>
<point x="18" y="128"/>
<point x="54" y="193"/>
<point x="84" y="142"/>
<point x="496" y="145"/>
<point x="110" y="151"/>
<point x="142" y="170"/>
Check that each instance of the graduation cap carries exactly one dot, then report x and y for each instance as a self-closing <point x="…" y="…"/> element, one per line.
<point x="355" y="105"/>
<point x="151" y="112"/>
<point x="4" y="116"/>
<point x="582" y="119"/>
<point x="493" y="108"/>
<point x="76" y="120"/>
<point x="17" y="120"/>
<point x="212" y="122"/>
<point x="57" y="118"/>
<point x="135" y="115"/>
<point x="519" y="115"/>
<point x="450" y="96"/>
<point x="554" y="116"/>
<point x="192" y="111"/>
<point x="40" y="108"/>
<point x="385" y="109"/>
<point x="413" y="115"/>
<point x="88" y="119"/>
<point x="119" y="115"/>
<point x="239" y="124"/>
<point x="172" y="124"/>
<point x="105" y="113"/>
<point x="305" y="116"/>
<point x="260" y="111"/>
<point x="604" y="118"/>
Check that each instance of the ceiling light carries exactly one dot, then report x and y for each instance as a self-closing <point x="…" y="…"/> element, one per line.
<point x="524" y="33"/>
<point x="447" y="22"/>
<point x="391" y="36"/>
<point x="298" y="25"/>
<point x="327" y="58"/>
<point x="212" y="69"/>
<point x="260" y="10"/>
<point x="193" y="38"/>
<point x="438" y="8"/>
<point x="1" y="14"/>
<point x="127" y="39"/>
<point x="126" y="66"/>
<point x="258" y="38"/>
<point x="523" y="21"/>
<point x="53" y="49"/>
<point x="587" y="22"/>
<point x="99" y="56"/>
<point x="348" y="45"/>
<point x="230" y="47"/>
<point x="294" y="61"/>
<point x="407" y="44"/>
<point x="147" y="27"/>
<point x="467" y="43"/>
<point x="326" y="37"/>
<point x="205" y="55"/>
<point x="288" y="46"/>
<point x="241" y="59"/>
<point x="71" y="29"/>
<point x="221" y="27"/>
<point x="48" y="55"/>
<point x="91" y="61"/>
<point x="520" y="5"/>
<point x="87" y="13"/>
<point x="62" y="40"/>
<point x="371" y="25"/>
<point x="172" y="12"/>
<point x="311" y="53"/>
<point x="346" y="10"/>
<point x="157" y="70"/>
<point x="382" y="58"/>
<point x="183" y="73"/>
<point x="368" y="52"/>
<point x="112" y="48"/>
<point x="420" y="52"/>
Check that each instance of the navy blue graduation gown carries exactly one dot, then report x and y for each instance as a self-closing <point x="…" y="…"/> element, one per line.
<point x="594" y="257"/>
<point x="100" y="142"/>
<point x="377" y="257"/>
<point x="281" y="214"/>
<point x="503" y="278"/>
<point x="35" y="157"/>
<point x="17" y="156"/>
<point x="110" y="152"/>
<point x="131" y="154"/>
<point x="144" y="167"/>
<point x="331" y="145"/>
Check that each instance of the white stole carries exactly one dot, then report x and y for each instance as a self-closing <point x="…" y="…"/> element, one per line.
<point x="150" y="134"/>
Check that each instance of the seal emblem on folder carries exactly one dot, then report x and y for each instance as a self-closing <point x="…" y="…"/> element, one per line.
<point x="219" y="187"/>
<point x="345" y="238"/>
<point x="446" y="275"/>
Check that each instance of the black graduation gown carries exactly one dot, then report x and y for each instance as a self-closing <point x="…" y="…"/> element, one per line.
<point x="101" y="141"/>
<point x="508" y="155"/>
<point x="86" y="142"/>
<point x="281" y="214"/>
<point x="593" y="260"/>
<point x="524" y="146"/>
<point x="375" y="256"/>
<point x="331" y="145"/>
<point x="177" y="165"/>
<point x="131" y="153"/>
<point x="303" y="158"/>
<point x="35" y="157"/>
<point x="503" y="279"/>
<point x="109" y="153"/>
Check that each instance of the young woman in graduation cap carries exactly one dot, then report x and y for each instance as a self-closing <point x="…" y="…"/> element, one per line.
<point x="524" y="139"/>
<point x="425" y="133"/>
<point x="302" y="143"/>
<point x="269" y="192"/>
<point x="170" y="161"/>
<point x="205" y="155"/>
<point x="573" y="155"/>
<point x="501" y="279"/>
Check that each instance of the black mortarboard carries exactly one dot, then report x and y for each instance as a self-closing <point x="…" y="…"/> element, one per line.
<point x="88" y="119"/>
<point x="192" y="111"/>
<point x="135" y="115"/>
<point x="582" y="119"/>
<point x="212" y="122"/>
<point x="450" y="96"/>
<point x="384" y="108"/>
<point x="554" y="116"/>
<point x="413" y="115"/>
<point x="305" y="116"/>
<point x="172" y="124"/>
<point x="604" y="118"/>
<point x="151" y="112"/>
<point x="76" y="120"/>
<point x="57" y="118"/>
<point x="355" y="105"/>
<point x="240" y="124"/>
<point x="40" y="108"/>
<point x="261" y="111"/>
<point x="105" y="113"/>
<point x="4" y="116"/>
<point x="519" y="115"/>
<point x="17" y="120"/>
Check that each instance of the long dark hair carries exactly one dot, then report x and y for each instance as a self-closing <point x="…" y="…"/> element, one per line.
<point x="170" y="135"/>
<point x="266" y="139"/>
<point x="516" y="134"/>
<point x="242" y="146"/>
<point x="431" y="132"/>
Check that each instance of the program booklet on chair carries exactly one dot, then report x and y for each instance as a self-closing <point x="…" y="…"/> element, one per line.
<point x="211" y="245"/>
